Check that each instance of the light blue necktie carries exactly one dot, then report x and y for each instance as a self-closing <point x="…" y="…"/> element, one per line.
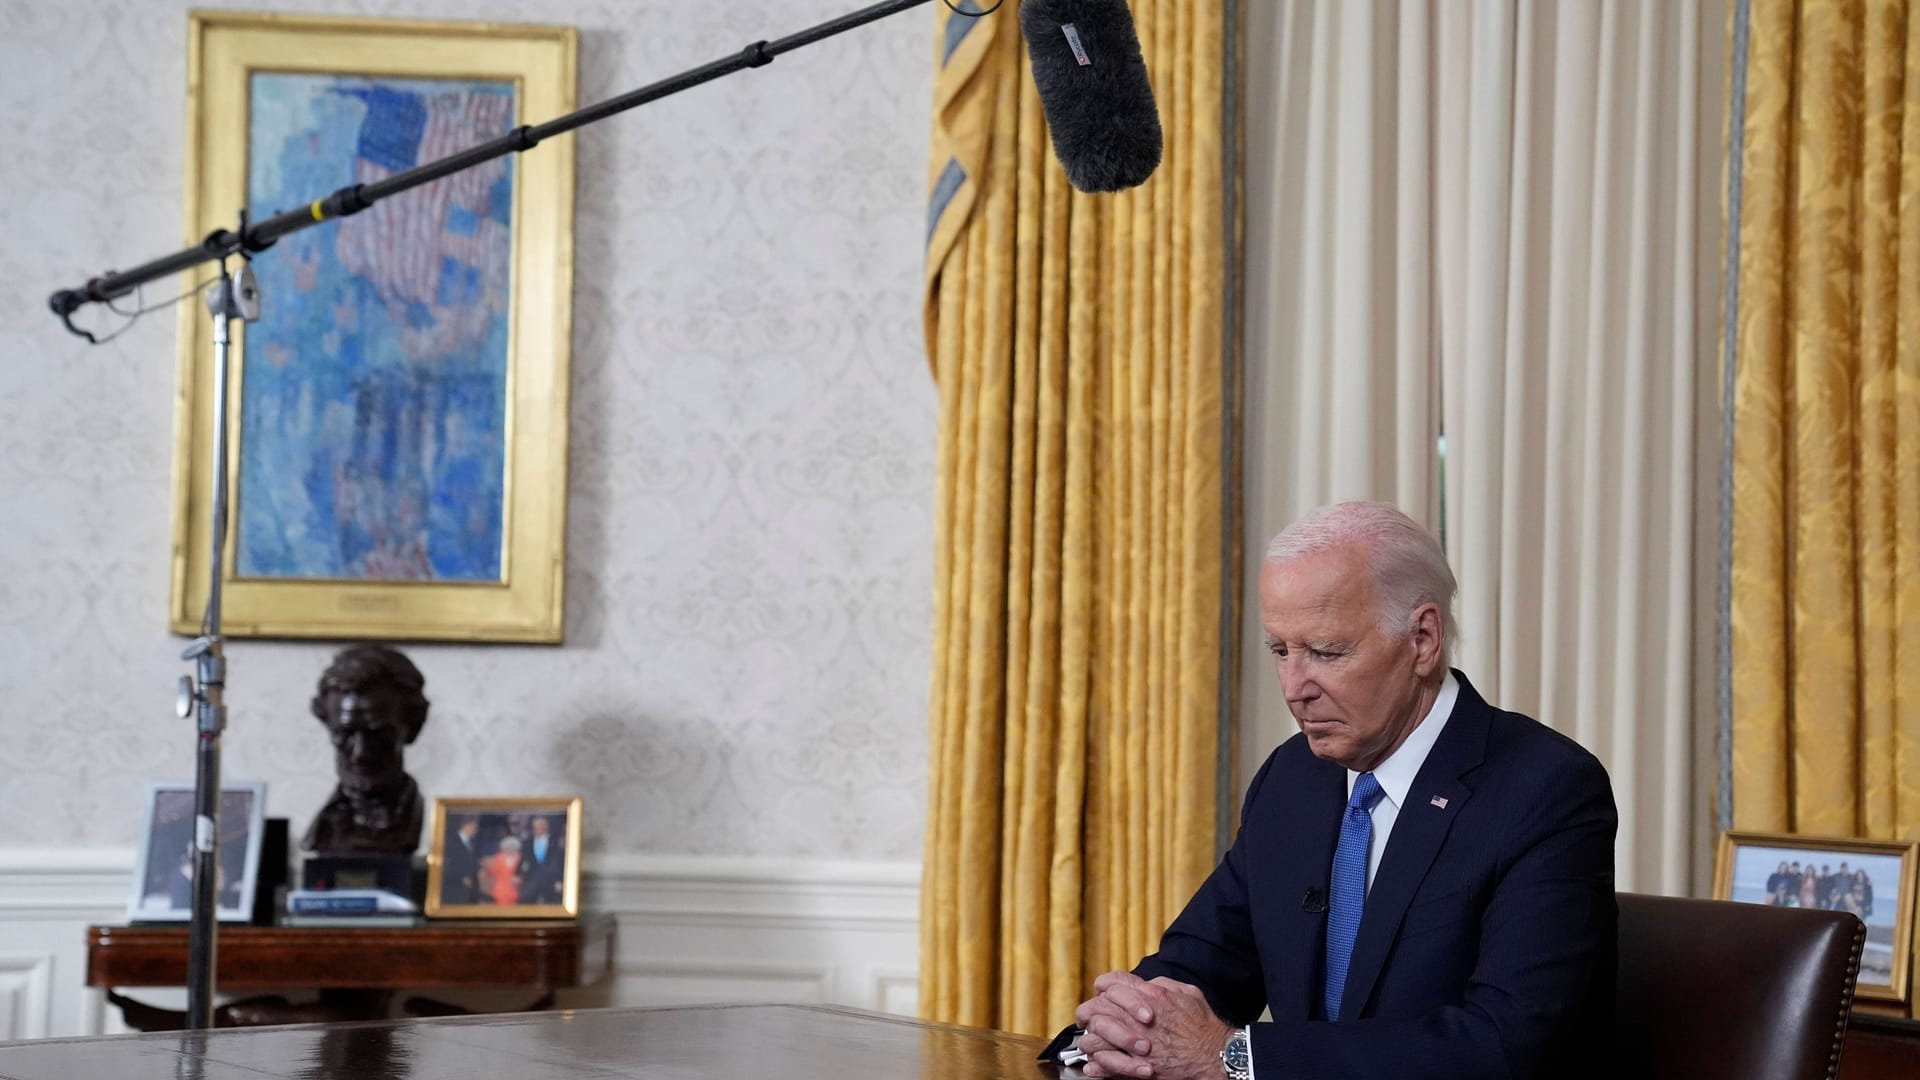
<point x="1348" y="893"/>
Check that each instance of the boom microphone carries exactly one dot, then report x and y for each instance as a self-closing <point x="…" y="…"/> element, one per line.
<point x="1093" y="86"/>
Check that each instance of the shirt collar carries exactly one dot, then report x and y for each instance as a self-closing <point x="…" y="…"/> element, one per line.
<point x="1396" y="774"/>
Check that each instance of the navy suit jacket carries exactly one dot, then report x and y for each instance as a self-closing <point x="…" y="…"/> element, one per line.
<point x="1487" y="946"/>
<point x="543" y="877"/>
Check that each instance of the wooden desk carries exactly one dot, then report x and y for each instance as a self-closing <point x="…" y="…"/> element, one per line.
<point x="1880" y="1047"/>
<point x="794" y="1042"/>
<point x="355" y="969"/>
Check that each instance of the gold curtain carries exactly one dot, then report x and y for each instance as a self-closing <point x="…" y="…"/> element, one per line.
<point x="1077" y="670"/>
<point x="1826" y="472"/>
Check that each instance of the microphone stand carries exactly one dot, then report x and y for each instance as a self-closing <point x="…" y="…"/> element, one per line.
<point x="236" y="296"/>
<point x="233" y="296"/>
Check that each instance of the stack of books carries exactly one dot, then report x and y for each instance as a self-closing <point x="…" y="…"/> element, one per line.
<point x="350" y="907"/>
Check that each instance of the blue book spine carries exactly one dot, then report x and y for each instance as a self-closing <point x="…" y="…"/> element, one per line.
<point x="332" y="905"/>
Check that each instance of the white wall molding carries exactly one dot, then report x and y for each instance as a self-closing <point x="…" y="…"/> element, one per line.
<point x="62" y="883"/>
<point x="700" y="929"/>
<point x="895" y="989"/>
<point x="693" y="929"/>
<point x="26" y="995"/>
<point x="764" y="893"/>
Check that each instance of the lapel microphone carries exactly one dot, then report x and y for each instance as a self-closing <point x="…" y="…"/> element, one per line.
<point x="1315" y="901"/>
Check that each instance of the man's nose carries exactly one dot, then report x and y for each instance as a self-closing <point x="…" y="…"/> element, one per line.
<point x="1295" y="684"/>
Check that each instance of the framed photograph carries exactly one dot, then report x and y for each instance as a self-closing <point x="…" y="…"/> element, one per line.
<point x="398" y="415"/>
<point x="1871" y="878"/>
<point x="163" y="866"/>
<point x="504" y="859"/>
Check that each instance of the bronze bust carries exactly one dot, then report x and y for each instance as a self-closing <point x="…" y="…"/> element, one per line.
<point x="370" y="699"/>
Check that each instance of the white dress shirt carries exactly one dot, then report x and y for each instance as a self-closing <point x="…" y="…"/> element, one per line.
<point x="1397" y="772"/>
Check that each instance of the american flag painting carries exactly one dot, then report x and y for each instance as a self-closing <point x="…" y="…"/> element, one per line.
<point x="374" y="396"/>
<point x="439" y="246"/>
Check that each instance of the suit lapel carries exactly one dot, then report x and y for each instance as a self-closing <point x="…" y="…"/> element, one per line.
<point x="1315" y="823"/>
<point x="1435" y="799"/>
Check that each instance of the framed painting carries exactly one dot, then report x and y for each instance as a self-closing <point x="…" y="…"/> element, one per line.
<point x="1873" y="879"/>
<point x="398" y="414"/>
<point x="504" y="859"/>
<point x="163" y="867"/>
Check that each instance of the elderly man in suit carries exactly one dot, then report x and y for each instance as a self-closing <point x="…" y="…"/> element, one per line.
<point x="1422" y="884"/>
<point x="460" y="871"/>
<point x="543" y="864"/>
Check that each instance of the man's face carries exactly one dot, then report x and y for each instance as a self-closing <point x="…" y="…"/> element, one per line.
<point x="368" y="734"/>
<point x="469" y="827"/>
<point x="1355" y="690"/>
<point x="539" y="826"/>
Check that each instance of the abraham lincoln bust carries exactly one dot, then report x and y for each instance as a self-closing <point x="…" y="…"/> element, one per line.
<point x="370" y="699"/>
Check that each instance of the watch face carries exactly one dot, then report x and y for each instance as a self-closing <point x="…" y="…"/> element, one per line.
<point x="1236" y="1054"/>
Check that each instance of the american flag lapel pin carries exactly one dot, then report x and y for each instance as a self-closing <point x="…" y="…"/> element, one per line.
<point x="1438" y="802"/>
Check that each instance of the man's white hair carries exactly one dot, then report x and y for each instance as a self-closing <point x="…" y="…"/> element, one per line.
<point x="1409" y="567"/>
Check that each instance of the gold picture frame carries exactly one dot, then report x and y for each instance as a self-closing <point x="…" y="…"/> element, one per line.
<point x="507" y="858"/>
<point x="1756" y="867"/>
<point x="400" y="470"/>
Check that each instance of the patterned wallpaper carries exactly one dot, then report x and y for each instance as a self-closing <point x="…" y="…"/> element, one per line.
<point x="749" y="567"/>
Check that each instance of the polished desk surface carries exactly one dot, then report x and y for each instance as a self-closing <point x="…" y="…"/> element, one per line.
<point x="544" y="954"/>
<point x="794" y="1042"/>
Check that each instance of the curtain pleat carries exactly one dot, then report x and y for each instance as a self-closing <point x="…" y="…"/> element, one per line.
<point x="1826" y="530"/>
<point x="1075" y="694"/>
<point x="1493" y="235"/>
<point x="1345" y="211"/>
<point x="1571" y="479"/>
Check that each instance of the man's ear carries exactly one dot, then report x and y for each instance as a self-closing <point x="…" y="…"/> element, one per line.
<point x="1426" y="632"/>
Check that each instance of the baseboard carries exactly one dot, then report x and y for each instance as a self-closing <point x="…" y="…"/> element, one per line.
<point x="693" y="929"/>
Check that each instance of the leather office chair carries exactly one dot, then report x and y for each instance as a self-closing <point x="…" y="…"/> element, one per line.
<point x="1711" y="989"/>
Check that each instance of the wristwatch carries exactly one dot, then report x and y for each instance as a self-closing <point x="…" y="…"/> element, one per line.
<point x="1237" y="1056"/>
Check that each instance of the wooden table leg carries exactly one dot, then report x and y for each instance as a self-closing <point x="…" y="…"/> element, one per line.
<point x="333" y="1006"/>
<point x="141" y="1016"/>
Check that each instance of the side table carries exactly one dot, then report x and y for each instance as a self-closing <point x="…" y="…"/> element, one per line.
<point x="356" y="970"/>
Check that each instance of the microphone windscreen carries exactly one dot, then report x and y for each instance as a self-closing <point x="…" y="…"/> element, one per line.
<point x="1093" y="85"/>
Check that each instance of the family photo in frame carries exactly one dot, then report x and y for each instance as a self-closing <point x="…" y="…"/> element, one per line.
<point x="1872" y="879"/>
<point x="504" y="858"/>
<point x="163" y="871"/>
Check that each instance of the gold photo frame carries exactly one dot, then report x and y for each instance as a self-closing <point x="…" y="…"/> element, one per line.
<point x="504" y="858"/>
<point x="398" y="416"/>
<point x="1789" y="870"/>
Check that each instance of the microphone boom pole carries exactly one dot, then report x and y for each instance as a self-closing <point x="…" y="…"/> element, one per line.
<point x="347" y="201"/>
<point x="236" y="296"/>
